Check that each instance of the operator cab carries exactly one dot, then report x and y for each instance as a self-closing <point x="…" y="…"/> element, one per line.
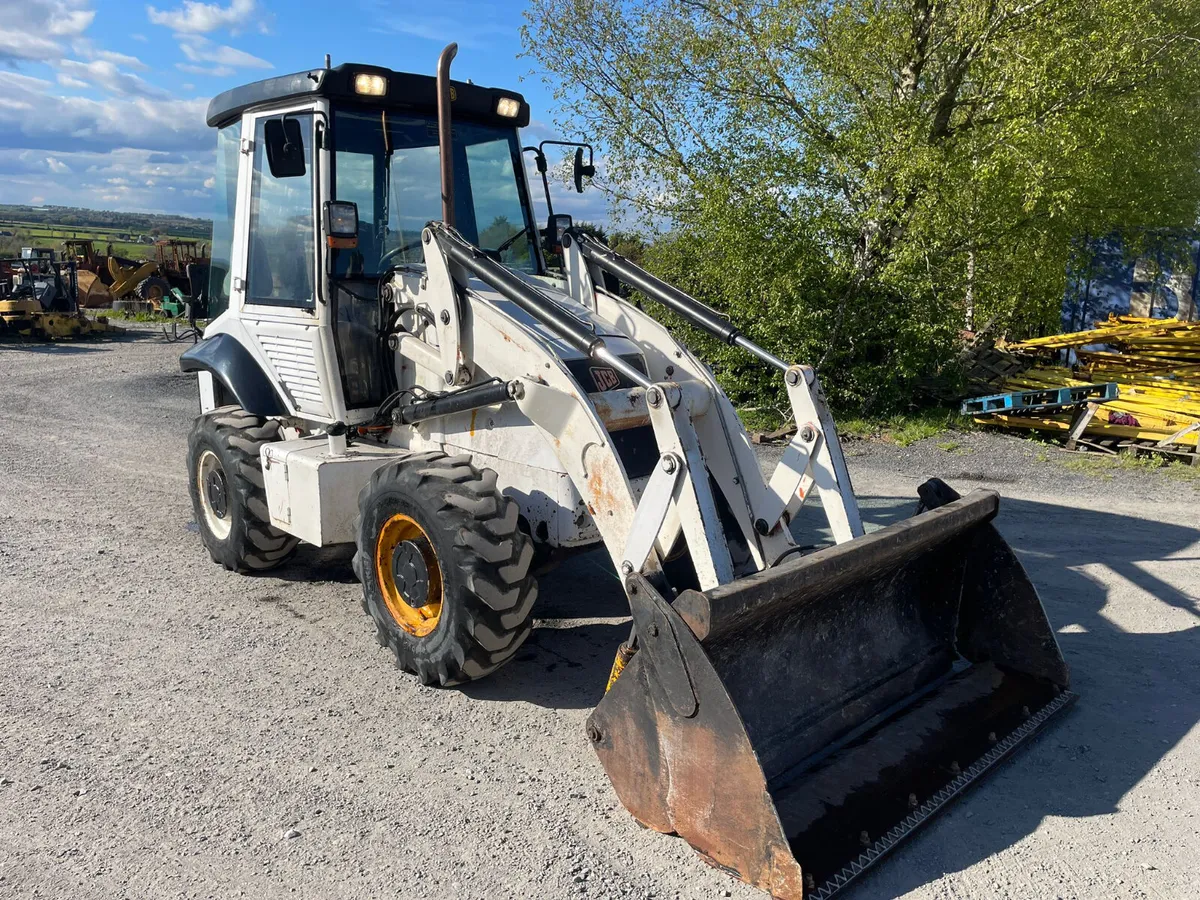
<point x="293" y="153"/>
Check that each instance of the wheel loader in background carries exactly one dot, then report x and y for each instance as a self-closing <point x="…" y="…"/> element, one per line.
<point x="395" y="367"/>
<point x="105" y="279"/>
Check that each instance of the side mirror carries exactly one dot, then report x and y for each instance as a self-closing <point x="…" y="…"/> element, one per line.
<point x="556" y="227"/>
<point x="341" y="224"/>
<point x="285" y="147"/>
<point x="580" y="170"/>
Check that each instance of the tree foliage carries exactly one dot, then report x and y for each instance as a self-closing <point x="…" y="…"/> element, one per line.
<point x="856" y="181"/>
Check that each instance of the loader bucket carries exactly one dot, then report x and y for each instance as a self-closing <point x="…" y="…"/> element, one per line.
<point x="794" y="726"/>
<point x="92" y="291"/>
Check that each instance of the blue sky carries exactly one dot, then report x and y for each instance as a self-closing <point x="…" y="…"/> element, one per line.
<point x="102" y="101"/>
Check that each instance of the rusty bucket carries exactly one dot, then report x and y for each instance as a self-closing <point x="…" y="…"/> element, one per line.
<point x="796" y="725"/>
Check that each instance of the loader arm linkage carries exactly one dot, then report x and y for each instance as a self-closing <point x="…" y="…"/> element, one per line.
<point x="795" y="717"/>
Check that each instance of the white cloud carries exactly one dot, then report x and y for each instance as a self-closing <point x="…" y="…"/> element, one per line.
<point x="31" y="28"/>
<point x="122" y="178"/>
<point x="195" y="17"/>
<point x="211" y="71"/>
<point x="472" y="24"/>
<point x="16" y="45"/>
<point x="108" y="77"/>
<point x="57" y="166"/>
<point x="67" y="17"/>
<point x="202" y="50"/>
<point x="86" y="123"/>
<point x="123" y="59"/>
<point x="209" y="183"/>
<point x="68" y="81"/>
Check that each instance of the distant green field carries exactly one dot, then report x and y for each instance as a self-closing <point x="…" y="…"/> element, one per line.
<point x="39" y="234"/>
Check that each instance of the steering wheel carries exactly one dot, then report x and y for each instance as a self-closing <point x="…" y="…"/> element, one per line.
<point x="396" y="251"/>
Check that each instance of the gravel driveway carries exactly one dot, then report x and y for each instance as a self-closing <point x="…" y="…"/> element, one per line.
<point x="169" y="729"/>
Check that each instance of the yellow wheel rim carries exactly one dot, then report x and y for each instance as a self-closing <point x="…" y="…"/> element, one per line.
<point x="401" y="542"/>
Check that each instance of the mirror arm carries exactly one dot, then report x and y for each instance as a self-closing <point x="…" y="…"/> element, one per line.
<point x="539" y="160"/>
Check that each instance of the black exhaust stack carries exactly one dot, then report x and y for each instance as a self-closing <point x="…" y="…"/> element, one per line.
<point x="445" y="135"/>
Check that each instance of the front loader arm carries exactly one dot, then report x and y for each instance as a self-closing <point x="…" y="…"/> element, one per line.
<point x="814" y="455"/>
<point x="493" y="342"/>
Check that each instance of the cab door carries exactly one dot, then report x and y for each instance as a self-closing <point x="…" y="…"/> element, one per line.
<point x="277" y="263"/>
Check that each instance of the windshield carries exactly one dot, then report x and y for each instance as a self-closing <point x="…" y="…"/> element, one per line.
<point x="387" y="163"/>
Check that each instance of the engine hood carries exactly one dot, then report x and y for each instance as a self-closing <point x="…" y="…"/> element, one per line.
<point x="615" y="341"/>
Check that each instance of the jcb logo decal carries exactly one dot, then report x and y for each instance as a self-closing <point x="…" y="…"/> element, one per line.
<point x="604" y="378"/>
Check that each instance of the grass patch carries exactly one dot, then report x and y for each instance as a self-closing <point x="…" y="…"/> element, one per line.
<point x="902" y="429"/>
<point x="123" y="316"/>
<point x="761" y="419"/>
<point x="907" y="428"/>
<point x="1104" y="466"/>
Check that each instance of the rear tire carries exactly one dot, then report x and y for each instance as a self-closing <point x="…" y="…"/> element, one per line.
<point x="461" y="533"/>
<point x="229" y="499"/>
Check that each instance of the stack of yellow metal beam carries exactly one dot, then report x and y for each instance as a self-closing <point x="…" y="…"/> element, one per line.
<point x="1156" y="365"/>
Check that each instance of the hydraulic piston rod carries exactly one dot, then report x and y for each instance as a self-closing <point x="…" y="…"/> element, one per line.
<point x="674" y="299"/>
<point x="512" y="287"/>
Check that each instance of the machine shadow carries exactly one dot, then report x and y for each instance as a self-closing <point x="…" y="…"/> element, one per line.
<point x="312" y="564"/>
<point x="1139" y="693"/>
<point x="72" y="347"/>
<point x="580" y="619"/>
<point x="60" y="348"/>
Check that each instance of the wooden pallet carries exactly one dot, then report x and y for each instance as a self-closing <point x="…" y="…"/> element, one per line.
<point x="1039" y="399"/>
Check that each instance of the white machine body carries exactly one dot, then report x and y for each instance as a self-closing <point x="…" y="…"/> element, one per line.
<point x="625" y="460"/>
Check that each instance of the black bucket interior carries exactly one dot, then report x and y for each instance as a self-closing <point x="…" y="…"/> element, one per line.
<point x="877" y="679"/>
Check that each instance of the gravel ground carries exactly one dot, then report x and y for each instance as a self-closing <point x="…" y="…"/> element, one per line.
<point x="168" y="729"/>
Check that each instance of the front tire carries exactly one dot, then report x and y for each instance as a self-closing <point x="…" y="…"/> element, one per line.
<point x="444" y="567"/>
<point x="229" y="498"/>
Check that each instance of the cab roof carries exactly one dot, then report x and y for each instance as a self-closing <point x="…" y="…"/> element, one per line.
<point x="404" y="91"/>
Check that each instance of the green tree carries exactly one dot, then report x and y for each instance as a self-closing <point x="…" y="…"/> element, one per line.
<point x="857" y="181"/>
<point x="593" y="230"/>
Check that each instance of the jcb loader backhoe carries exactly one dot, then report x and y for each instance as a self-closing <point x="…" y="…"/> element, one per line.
<point x="395" y="367"/>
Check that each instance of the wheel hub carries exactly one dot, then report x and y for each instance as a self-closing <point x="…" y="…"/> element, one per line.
<point x="410" y="574"/>
<point x="214" y="489"/>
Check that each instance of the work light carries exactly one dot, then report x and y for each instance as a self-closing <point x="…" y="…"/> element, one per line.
<point x="371" y="85"/>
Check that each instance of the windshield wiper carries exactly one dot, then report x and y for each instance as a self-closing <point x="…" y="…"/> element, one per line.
<point x="508" y="242"/>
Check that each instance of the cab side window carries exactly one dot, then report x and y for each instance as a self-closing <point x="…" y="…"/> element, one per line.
<point x="281" y="250"/>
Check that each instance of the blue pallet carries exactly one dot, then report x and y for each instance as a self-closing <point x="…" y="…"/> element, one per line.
<point x="1046" y="398"/>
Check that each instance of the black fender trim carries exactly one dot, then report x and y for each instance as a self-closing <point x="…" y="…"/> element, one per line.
<point x="239" y="373"/>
